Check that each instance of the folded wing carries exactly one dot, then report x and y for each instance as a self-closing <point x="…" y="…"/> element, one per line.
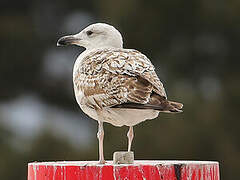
<point x="122" y="78"/>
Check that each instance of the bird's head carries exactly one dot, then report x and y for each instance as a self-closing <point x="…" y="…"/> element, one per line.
<point x="94" y="36"/>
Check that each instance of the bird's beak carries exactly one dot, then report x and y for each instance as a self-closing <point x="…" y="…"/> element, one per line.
<point x="68" y="40"/>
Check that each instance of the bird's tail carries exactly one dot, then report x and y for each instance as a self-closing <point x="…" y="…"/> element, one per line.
<point x="165" y="106"/>
<point x="174" y="107"/>
<point x="156" y="102"/>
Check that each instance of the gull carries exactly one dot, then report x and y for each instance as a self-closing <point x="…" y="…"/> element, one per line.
<point x="113" y="84"/>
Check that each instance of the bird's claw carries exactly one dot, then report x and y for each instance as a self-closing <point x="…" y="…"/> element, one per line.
<point x="101" y="162"/>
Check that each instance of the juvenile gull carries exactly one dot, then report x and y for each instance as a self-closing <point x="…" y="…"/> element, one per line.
<point x="113" y="84"/>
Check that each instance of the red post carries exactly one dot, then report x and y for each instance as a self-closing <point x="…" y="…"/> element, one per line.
<point x="142" y="170"/>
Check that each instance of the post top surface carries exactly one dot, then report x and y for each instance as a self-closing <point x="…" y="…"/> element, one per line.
<point x="136" y="163"/>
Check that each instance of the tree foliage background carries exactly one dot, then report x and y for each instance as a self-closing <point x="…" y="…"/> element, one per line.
<point x="194" y="45"/>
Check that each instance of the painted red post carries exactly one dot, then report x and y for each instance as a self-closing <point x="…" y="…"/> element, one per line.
<point x="142" y="170"/>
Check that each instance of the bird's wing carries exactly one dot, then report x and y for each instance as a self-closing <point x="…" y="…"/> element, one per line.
<point x="133" y="63"/>
<point x="116" y="76"/>
<point x="136" y="64"/>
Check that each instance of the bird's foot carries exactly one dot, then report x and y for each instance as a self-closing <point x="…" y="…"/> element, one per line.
<point x="101" y="162"/>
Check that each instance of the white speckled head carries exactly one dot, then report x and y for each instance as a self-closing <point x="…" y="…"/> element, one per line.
<point x="95" y="36"/>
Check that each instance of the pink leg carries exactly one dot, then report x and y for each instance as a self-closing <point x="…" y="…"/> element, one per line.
<point x="130" y="136"/>
<point x="100" y="136"/>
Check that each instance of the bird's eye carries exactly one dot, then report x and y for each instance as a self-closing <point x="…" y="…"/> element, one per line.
<point x="89" y="33"/>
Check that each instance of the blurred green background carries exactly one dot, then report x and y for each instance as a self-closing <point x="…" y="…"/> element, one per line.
<point x="194" y="45"/>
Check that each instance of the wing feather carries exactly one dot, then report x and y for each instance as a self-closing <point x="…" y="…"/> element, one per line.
<point x="110" y="77"/>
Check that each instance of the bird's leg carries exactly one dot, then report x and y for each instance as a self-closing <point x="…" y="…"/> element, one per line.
<point x="100" y="136"/>
<point x="130" y="136"/>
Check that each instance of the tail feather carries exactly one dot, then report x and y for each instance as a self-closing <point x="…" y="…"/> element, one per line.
<point x="156" y="102"/>
<point x="166" y="106"/>
<point x="176" y="106"/>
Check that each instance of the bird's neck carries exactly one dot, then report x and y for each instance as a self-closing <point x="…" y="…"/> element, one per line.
<point x="93" y="48"/>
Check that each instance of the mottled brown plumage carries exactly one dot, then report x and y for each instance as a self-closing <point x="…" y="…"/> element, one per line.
<point x="119" y="77"/>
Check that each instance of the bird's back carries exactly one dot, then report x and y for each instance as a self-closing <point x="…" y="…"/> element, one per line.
<point x="111" y="78"/>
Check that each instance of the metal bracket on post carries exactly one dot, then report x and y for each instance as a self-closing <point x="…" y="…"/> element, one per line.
<point x="123" y="157"/>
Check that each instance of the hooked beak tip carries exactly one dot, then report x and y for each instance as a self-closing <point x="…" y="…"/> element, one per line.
<point x="58" y="44"/>
<point x="62" y="41"/>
